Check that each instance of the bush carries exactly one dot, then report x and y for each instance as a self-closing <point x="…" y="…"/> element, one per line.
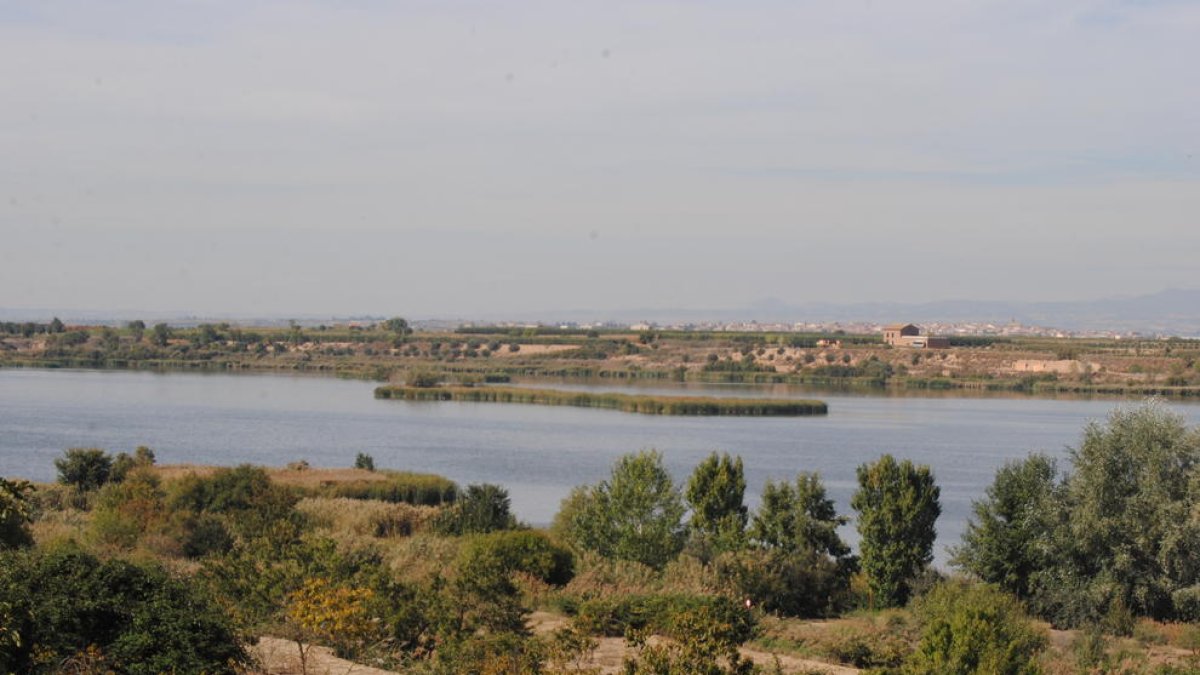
<point x="364" y="461"/>
<point x="125" y="463"/>
<point x="85" y="468"/>
<point x="524" y="551"/>
<point x="136" y="619"/>
<point x="127" y="510"/>
<point x="617" y="615"/>
<point x="245" y="494"/>
<point x="424" y="379"/>
<point x="482" y="508"/>
<point x="804" y="584"/>
<point x="202" y="534"/>
<point x="974" y="628"/>
<point x="868" y="647"/>
<point x="14" y="514"/>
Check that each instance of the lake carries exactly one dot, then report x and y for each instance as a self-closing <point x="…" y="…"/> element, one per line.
<point x="538" y="453"/>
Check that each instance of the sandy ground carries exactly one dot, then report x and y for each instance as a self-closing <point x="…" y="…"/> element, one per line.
<point x="277" y="656"/>
<point x="610" y="652"/>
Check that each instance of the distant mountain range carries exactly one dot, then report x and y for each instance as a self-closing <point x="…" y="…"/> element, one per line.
<point x="1168" y="312"/>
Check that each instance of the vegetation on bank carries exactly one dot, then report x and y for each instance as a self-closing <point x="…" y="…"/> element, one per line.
<point x="388" y="350"/>
<point x="151" y="568"/>
<point x="648" y="405"/>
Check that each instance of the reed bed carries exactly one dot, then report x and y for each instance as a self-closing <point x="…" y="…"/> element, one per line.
<point x="366" y="518"/>
<point x="421" y="489"/>
<point x="398" y="486"/>
<point x="648" y="405"/>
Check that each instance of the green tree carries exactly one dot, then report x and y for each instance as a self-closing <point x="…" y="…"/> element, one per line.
<point x="1009" y="538"/>
<point x="137" y="329"/>
<point x="715" y="493"/>
<point x="399" y="326"/>
<point x="481" y="508"/>
<point x="364" y="461"/>
<point x="14" y="514"/>
<point x="124" y="463"/>
<point x="637" y="514"/>
<point x="897" y="506"/>
<point x="799" y="566"/>
<point x="56" y="326"/>
<point x="799" y="517"/>
<point x="1130" y="521"/>
<point x="974" y="628"/>
<point x="85" y="468"/>
<point x="161" y="334"/>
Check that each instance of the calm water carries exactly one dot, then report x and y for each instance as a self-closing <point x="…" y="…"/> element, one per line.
<point x="537" y="452"/>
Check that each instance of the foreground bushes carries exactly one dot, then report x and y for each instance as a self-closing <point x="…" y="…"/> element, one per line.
<point x="68" y="607"/>
<point x="974" y="628"/>
<point x="615" y="616"/>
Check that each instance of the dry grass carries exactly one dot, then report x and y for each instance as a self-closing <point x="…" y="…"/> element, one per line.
<point x="596" y="576"/>
<point x="310" y="478"/>
<point x="366" y="517"/>
<point x="421" y="556"/>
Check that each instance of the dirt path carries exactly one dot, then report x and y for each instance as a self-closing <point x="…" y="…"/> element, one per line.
<point x="277" y="656"/>
<point x="610" y="652"/>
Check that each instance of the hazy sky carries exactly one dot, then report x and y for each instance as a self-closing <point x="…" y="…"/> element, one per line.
<point x="449" y="158"/>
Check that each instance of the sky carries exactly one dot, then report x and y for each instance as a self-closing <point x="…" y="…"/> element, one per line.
<point x="464" y="158"/>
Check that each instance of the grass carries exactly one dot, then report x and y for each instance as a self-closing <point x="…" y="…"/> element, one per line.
<point x="385" y="485"/>
<point x="649" y="405"/>
<point x="366" y="518"/>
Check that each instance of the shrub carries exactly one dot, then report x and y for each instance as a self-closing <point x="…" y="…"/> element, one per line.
<point x="124" y="463"/>
<point x="803" y="584"/>
<point x="244" y="493"/>
<point x="14" y="514"/>
<point x="974" y="628"/>
<point x="365" y="517"/>
<point x="867" y="647"/>
<point x="424" y="379"/>
<point x="482" y="508"/>
<point x="85" y="468"/>
<point x="617" y="615"/>
<point x="364" y="461"/>
<point x="137" y="619"/>
<point x="524" y="551"/>
<point x="706" y="640"/>
<point x="127" y="510"/>
<point x="202" y="534"/>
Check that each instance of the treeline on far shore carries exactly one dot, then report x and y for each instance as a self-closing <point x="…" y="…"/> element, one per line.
<point x="388" y="350"/>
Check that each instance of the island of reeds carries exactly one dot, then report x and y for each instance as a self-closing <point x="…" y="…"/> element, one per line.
<point x="645" y="404"/>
